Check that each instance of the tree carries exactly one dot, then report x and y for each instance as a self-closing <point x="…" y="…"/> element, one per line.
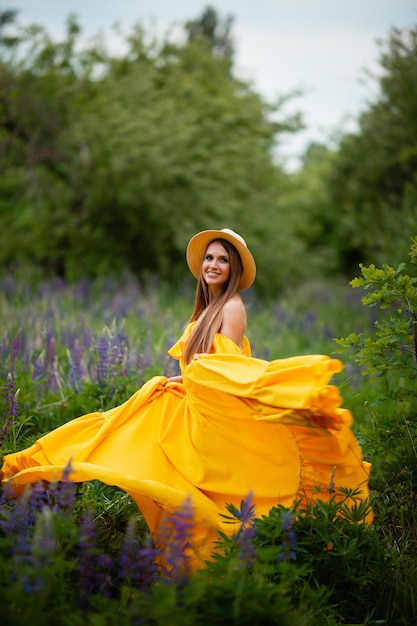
<point x="215" y="32"/>
<point x="119" y="160"/>
<point x="373" y="184"/>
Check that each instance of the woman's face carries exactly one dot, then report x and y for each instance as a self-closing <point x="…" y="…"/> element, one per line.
<point x="216" y="267"/>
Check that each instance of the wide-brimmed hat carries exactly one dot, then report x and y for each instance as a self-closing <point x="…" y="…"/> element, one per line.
<point x="198" y="245"/>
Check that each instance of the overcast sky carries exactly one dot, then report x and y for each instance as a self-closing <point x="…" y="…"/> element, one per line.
<point x="321" y="46"/>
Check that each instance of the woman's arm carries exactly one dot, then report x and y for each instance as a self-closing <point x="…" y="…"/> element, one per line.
<point x="175" y="379"/>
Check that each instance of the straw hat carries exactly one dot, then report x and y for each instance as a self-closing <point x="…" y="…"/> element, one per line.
<point x="198" y="246"/>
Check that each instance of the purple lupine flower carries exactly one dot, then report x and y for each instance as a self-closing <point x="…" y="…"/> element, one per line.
<point x="3" y="352"/>
<point x="247" y="510"/>
<point x="289" y="546"/>
<point x="12" y="408"/>
<point x="87" y="339"/>
<point x="103" y="349"/>
<point x="137" y="563"/>
<point x="246" y="532"/>
<point x="42" y="549"/>
<point x="121" y="347"/>
<point x="39" y="367"/>
<point x="148" y="554"/>
<point x="245" y="514"/>
<point x="174" y="540"/>
<point x="104" y="575"/>
<point x="16" y="348"/>
<point x="66" y="490"/>
<point x="93" y="569"/>
<point x="86" y="557"/>
<point x="50" y="347"/>
<point x="17" y="526"/>
<point x="23" y="565"/>
<point x="76" y="370"/>
<point x="39" y="499"/>
<point x="247" y="551"/>
<point x="61" y="494"/>
<point x="14" y="520"/>
<point x="332" y="486"/>
<point x="39" y="374"/>
<point x="51" y="362"/>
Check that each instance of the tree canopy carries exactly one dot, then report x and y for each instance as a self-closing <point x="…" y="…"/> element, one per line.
<point x="112" y="162"/>
<point x="115" y="161"/>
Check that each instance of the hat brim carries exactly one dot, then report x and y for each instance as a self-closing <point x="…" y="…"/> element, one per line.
<point x="197" y="247"/>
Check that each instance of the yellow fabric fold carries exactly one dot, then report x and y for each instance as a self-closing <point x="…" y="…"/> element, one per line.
<point x="236" y="424"/>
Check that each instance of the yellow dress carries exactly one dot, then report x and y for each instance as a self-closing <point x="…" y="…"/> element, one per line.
<point x="236" y="424"/>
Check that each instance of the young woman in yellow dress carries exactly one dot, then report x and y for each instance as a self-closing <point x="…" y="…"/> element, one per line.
<point x="229" y="425"/>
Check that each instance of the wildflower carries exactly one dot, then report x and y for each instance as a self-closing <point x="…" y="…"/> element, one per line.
<point x="174" y="540"/>
<point x="247" y="532"/>
<point x="13" y="520"/>
<point x="93" y="568"/>
<point x="103" y="581"/>
<point x="103" y="358"/>
<point x="30" y="539"/>
<point x="121" y="350"/>
<point x="247" y="551"/>
<point x="289" y="546"/>
<point x="39" y="368"/>
<point x="12" y="408"/>
<point x="43" y="549"/>
<point x="65" y="490"/>
<point x="148" y="553"/>
<point x="75" y="370"/>
<point x="332" y="488"/>
<point x="86" y="558"/>
<point x="136" y="563"/>
<point x="39" y="374"/>
<point x="247" y="510"/>
<point x="38" y="500"/>
<point x="51" y="347"/>
<point x="16" y="349"/>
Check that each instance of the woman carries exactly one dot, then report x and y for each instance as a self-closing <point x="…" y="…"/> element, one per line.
<point x="229" y="425"/>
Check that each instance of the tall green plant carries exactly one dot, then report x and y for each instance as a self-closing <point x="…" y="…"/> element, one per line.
<point x="389" y="358"/>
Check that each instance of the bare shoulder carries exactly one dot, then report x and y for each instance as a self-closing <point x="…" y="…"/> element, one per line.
<point x="235" y="307"/>
<point x="234" y="319"/>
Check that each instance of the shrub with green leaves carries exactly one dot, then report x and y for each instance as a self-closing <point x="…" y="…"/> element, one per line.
<point x="389" y="359"/>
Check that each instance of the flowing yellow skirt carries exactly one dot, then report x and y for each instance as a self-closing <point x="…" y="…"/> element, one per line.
<point x="236" y="424"/>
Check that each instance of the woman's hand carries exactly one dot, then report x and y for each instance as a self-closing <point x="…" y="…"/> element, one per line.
<point x="174" y="379"/>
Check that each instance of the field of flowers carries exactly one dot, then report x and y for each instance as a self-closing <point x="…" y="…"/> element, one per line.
<point x="80" y="554"/>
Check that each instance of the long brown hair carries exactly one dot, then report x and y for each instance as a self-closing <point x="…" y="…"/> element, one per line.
<point x="209" y="311"/>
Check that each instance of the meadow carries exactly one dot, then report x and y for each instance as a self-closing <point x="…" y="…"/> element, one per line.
<point x="81" y="554"/>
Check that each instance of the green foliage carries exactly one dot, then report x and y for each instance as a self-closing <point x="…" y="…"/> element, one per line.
<point x="317" y="566"/>
<point x="355" y="200"/>
<point x="215" y="32"/>
<point x="373" y="184"/>
<point x="389" y="357"/>
<point x="310" y="213"/>
<point x="314" y="566"/>
<point x="114" y="162"/>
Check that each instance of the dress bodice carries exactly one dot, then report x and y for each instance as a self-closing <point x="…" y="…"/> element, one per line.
<point x="221" y="345"/>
